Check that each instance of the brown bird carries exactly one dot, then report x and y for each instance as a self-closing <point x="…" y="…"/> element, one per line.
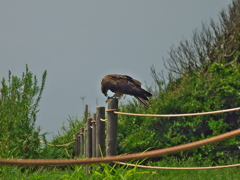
<point x="122" y="84"/>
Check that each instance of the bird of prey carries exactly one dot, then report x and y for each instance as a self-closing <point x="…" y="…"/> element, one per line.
<point x="123" y="84"/>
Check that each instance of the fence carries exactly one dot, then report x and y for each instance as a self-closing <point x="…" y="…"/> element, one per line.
<point x="90" y="141"/>
<point x="93" y="137"/>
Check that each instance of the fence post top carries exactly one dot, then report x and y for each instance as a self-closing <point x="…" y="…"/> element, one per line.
<point x="110" y="110"/>
<point x="100" y="107"/>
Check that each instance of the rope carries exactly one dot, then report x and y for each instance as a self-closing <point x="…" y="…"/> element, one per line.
<point x="109" y="110"/>
<point x="58" y="145"/>
<point x="178" y="115"/>
<point x="178" y="168"/>
<point x="136" y="156"/>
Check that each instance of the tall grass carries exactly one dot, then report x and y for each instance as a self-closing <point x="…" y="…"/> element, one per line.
<point x="64" y="136"/>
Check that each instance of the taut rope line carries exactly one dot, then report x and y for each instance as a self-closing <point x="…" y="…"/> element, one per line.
<point x="178" y="115"/>
<point x="149" y="154"/>
<point x="178" y="168"/>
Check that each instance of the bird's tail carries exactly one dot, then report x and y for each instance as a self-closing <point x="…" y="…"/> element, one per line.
<point x="143" y="102"/>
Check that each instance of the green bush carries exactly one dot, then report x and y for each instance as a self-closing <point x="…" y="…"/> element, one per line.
<point x="19" y="137"/>
<point x="206" y="78"/>
<point x="221" y="90"/>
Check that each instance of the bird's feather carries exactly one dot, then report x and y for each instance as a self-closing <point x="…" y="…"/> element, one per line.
<point x="123" y="84"/>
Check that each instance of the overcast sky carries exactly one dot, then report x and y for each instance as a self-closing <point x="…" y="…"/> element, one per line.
<point x="79" y="42"/>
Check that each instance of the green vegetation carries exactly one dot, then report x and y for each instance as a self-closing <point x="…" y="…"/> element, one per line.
<point x="190" y="94"/>
<point x="106" y="172"/>
<point x="203" y="76"/>
<point x="18" y="108"/>
<point x="66" y="135"/>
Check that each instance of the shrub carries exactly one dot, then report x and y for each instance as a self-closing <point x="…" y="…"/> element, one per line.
<point x="19" y="137"/>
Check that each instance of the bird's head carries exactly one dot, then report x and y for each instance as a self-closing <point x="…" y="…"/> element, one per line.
<point x="105" y="93"/>
<point x="104" y="89"/>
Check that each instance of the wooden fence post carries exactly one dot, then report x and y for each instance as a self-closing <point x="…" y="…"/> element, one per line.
<point x="100" y="131"/>
<point x="77" y="144"/>
<point x="93" y="134"/>
<point x="82" y="142"/>
<point x="86" y="114"/>
<point x="111" y="141"/>
<point x="85" y="138"/>
<point x="88" y="138"/>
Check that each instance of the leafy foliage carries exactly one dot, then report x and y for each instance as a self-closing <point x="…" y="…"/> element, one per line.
<point x="19" y="137"/>
<point x="210" y="85"/>
<point x="208" y="79"/>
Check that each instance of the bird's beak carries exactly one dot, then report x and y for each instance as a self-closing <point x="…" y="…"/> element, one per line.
<point x="107" y="99"/>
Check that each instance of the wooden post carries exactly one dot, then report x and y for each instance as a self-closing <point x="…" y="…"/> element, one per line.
<point x="89" y="138"/>
<point x="85" y="138"/>
<point x="82" y="142"/>
<point x="111" y="141"/>
<point x="100" y="131"/>
<point x="93" y="134"/>
<point x="86" y="113"/>
<point x="77" y="144"/>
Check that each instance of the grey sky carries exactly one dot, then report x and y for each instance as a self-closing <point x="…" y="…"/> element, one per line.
<point x="79" y="42"/>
